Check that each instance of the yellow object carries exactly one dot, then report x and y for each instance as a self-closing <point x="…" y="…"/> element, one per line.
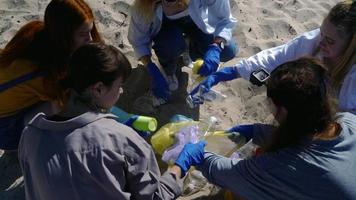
<point x="24" y="94"/>
<point x="197" y="65"/>
<point x="165" y="136"/>
<point x="144" y="123"/>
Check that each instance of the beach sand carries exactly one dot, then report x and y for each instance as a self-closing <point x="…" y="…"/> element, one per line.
<point x="262" y="24"/>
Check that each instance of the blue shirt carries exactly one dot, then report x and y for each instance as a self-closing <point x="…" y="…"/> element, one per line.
<point x="324" y="169"/>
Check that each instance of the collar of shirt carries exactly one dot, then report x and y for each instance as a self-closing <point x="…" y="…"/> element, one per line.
<point x="40" y="121"/>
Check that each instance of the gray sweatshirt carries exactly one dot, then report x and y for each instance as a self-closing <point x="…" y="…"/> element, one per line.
<point x="88" y="157"/>
<point x="324" y="169"/>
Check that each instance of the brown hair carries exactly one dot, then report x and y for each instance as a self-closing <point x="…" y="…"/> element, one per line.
<point x="50" y="43"/>
<point x="343" y="16"/>
<point x="96" y="62"/>
<point x="301" y="88"/>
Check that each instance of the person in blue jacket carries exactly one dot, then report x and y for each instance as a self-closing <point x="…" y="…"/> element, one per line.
<point x="165" y="25"/>
<point x="310" y="155"/>
<point x="334" y="43"/>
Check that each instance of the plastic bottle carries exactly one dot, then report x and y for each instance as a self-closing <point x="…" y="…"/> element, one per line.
<point x="201" y="96"/>
<point x="246" y="151"/>
<point x="142" y="123"/>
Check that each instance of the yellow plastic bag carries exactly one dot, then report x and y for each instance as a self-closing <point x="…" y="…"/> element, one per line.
<point x="165" y="136"/>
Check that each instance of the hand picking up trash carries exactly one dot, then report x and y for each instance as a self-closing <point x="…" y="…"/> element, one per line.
<point x="171" y="138"/>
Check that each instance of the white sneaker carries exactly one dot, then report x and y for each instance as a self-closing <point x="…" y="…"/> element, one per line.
<point x="173" y="83"/>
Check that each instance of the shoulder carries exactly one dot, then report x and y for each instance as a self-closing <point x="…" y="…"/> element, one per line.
<point x="347" y="119"/>
<point x="113" y="134"/>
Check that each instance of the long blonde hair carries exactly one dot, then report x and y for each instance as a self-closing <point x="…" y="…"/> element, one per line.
<point x="146" y="8"/>
<point x="343" y="16"/>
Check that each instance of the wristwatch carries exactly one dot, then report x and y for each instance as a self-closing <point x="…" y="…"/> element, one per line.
<point x="259" y="77"/>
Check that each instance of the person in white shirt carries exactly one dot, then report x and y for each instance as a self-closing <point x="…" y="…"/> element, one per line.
<point x="334" y="43"/>
<point x="164" y="27"/>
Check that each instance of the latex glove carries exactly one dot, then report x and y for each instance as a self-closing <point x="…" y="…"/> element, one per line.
<point x="130" y="122"/>
<point x="211" y="60"/>
<point x="191" y="155"/>
<point x="225" y="74"/>
<point x="244" y="130"/>
<point x="159" y="83"/>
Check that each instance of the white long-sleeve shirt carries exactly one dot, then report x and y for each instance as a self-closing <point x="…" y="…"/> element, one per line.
<point x="301" y="46"/>
<point x="211" y="16"/>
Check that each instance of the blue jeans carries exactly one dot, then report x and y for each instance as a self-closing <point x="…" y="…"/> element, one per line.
<point x="170" y="43"/>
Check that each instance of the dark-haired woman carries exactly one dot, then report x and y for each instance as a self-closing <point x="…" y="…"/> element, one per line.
<point x="310" y="155"/>
<point x="83" y="152"/>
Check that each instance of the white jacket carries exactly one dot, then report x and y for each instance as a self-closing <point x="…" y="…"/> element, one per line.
<point x="211" y="16"/>
<point x="303" y="45"/>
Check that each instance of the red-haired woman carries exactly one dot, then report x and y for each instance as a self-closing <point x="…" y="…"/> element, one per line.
<point x="35" y="59"/>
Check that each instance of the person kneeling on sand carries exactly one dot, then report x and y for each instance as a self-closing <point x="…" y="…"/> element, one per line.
<point x="334" y="43"/>
<point x="310" y="155"/>
<point x="208" y="24"/>
<point x="83" y="152"/>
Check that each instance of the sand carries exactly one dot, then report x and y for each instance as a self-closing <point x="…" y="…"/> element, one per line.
<point x="262" y="24"/>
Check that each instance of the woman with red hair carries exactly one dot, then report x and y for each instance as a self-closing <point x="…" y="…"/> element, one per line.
<point x="35" y="60"/>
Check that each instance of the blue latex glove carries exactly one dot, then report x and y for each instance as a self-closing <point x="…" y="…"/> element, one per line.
<point x="130" y="122"/>
<point x="191" y="155"/>
<point x="245" y="130"/>
<point x="159" y="83"/>
<point x="211" y="60"/>
<point x="225" y="74"/>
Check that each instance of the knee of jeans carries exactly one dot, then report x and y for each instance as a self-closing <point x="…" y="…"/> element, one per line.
<point x="229" y="52"/>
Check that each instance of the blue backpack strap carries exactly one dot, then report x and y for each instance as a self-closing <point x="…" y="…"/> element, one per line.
<point x="21" y="79"/>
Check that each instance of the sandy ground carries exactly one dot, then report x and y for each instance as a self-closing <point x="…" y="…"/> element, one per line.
<point x="262" y="24"/>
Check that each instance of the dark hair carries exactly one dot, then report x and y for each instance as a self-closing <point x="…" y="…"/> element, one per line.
<point x="93" y="63"/>
<point x="301" y="88"/>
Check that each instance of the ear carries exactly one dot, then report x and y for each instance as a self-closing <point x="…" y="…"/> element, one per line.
<point x="98" y="89"/>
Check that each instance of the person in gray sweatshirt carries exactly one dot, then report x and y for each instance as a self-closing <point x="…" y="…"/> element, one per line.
<point x="310" y="155"/>
<point x="83" y="152"/>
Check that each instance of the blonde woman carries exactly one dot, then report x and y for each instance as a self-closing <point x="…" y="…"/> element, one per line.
<point x="334" y="43"/>
<point x="164" y="26"/>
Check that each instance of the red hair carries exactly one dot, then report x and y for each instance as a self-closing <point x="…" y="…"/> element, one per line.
<point x="19" y="44"/>
<point x="49" y="44"/>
